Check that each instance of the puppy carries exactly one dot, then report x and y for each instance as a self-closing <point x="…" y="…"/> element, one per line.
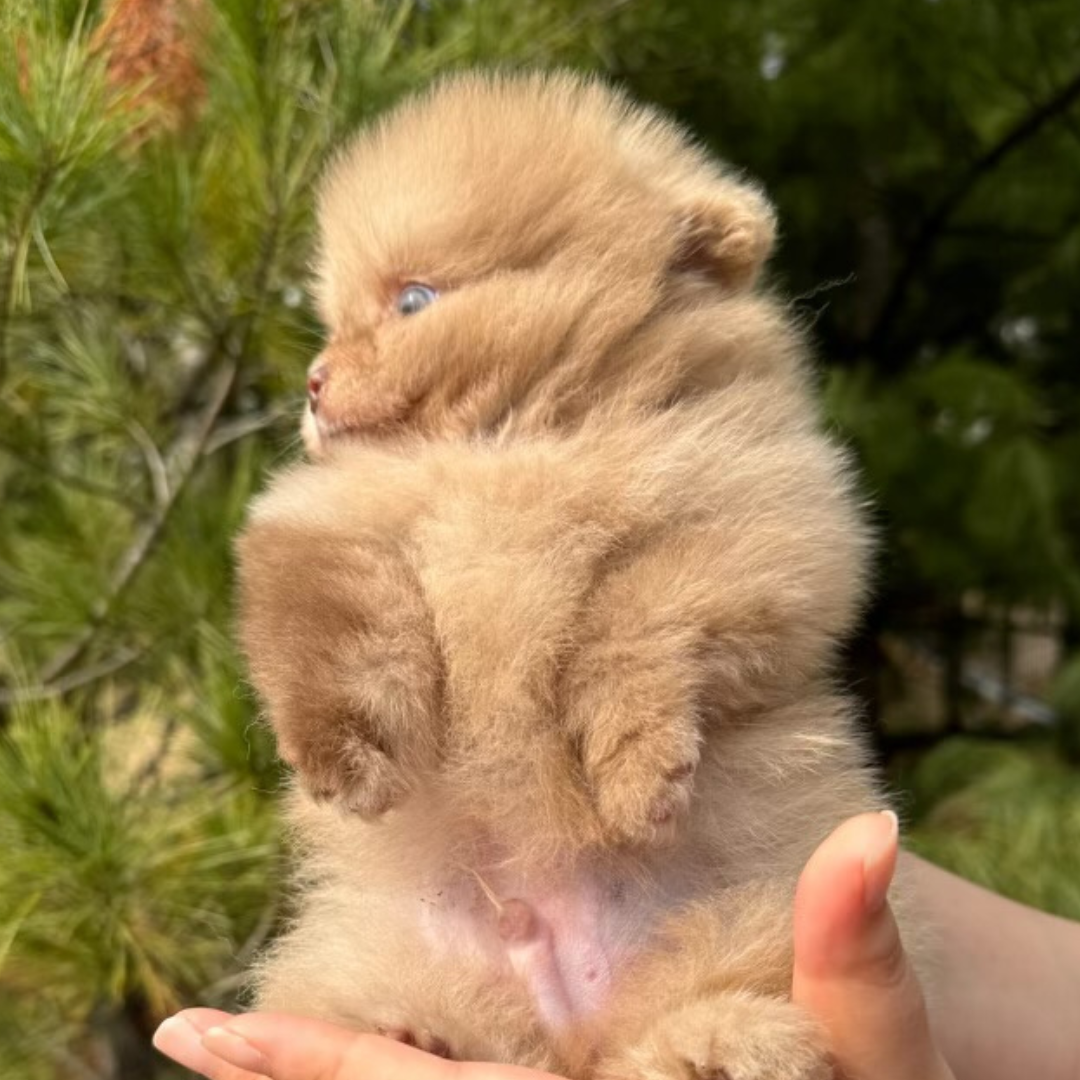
<point x="546" y="628"/>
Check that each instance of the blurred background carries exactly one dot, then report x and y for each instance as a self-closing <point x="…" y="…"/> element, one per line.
<point x="156" y="167"/>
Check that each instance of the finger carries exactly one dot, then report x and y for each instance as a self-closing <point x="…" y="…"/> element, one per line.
<point x="851" y="971"/>
<point x="295" y="1048"/>
<point x="180" y="1037"/>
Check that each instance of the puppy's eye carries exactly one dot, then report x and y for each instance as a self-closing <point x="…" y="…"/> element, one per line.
<point x="414" y="298"/>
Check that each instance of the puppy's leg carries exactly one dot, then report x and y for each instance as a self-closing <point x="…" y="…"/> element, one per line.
<point x="364" y="966"/>
<point x="341" y="646"/>
<point x="633" y="707"/>
<point x="726" y="1036"/>
<point x="712" y="1003"/>
<point x="679" y="636"/>
<point x="634" y="691"/>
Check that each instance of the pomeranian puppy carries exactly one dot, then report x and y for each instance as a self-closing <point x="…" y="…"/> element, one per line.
<point x="546" y="628"/>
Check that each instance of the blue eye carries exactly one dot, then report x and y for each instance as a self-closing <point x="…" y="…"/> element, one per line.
<point x="414" y="298"/>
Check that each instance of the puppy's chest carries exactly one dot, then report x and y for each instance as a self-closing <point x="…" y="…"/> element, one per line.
<point x="563" y="936"/>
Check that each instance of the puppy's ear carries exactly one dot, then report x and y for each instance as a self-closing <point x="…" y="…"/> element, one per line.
<point x="727" y="231"/>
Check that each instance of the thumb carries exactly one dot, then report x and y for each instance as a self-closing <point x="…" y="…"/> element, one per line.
<point x="851" y="971"/>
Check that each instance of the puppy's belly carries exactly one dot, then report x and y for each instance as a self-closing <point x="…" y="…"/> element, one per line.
<point x="563" y="938"/>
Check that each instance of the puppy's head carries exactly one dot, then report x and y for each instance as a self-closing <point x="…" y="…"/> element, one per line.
<point x="491" y="249"/>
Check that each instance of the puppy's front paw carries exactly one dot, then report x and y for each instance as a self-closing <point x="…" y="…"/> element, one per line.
<point x="342" y="650"/>
<point x="733" y="1036"/>
<point x="345" y="768"/>
<point x="640" y="745"/>
<point x="642" y="787"/>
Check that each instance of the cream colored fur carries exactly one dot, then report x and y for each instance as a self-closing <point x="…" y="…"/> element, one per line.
<point x="557" y="603"/>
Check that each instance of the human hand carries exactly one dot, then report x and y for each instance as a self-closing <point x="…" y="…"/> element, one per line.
<point x="256" y="1046"/>
<point x="851" y="973"/>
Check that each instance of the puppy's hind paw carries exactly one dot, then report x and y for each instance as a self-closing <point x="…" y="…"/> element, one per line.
<point x="422" y="1039"/>
<point x="732" y="1036"/>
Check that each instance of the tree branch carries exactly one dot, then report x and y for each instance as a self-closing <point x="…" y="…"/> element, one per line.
<point x="49" y="468"/>
<point x="73" y="680"/>
<point x="19" y="242"/>
<point x="184" y="455"/>
<point x="243" y="426"/>
<point x="225" y="988"/>
<point x="934" y="224"/>
<point x="187" y="450"/>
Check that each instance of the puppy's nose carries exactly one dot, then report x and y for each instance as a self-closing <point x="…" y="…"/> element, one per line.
<point x="316" y="380"/>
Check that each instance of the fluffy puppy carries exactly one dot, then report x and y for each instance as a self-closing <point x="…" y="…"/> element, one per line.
<point x="546" y="628"/>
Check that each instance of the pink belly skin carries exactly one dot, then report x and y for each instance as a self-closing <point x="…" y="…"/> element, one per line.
<point x="562" y="939"/>
<point x="530" y="948"/>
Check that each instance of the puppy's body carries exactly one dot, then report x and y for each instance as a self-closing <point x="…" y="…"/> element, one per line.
<point x="551" y="618"/>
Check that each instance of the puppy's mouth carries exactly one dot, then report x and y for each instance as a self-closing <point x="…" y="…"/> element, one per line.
<point x="320" y="434"/>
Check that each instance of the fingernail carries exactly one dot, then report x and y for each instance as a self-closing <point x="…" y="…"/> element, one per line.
<point x="235" y="1049"/>
<point x="180" y="1040"/>
<point x="879" y="863"/>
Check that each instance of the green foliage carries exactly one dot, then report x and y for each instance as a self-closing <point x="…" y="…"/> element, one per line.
<point x="99" y="867"/>
<point x="1065" y="698"/>
<point x="1006" y="817"/>
<point x="957" y="457"/>
<point x="116" y="884"/>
